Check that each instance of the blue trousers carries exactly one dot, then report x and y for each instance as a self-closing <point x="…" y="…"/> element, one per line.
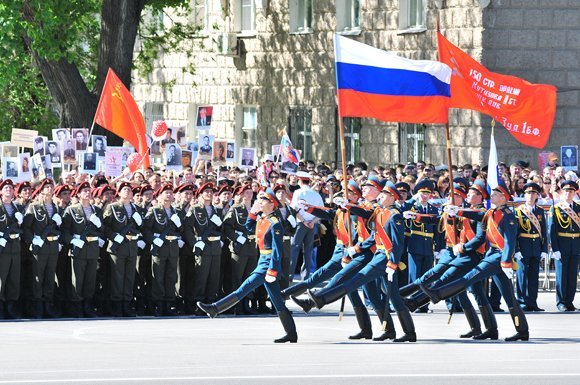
<point x="304" y="236"/>
<point x="419" y="265"/>
<point x="435" y="272"/>
<point x="528" y="275"/>
<point x="328" y="270"/>
<point x="566" y="279"/>
<point x="258" y="278"/>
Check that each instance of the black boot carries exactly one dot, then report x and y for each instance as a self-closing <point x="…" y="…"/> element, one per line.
<point x="213" y="309"/>
<point x="445" y="291"/>
<point x="289" y="327"/>
<point x="326" y="296"/>
<point x="408" y="327"/>
<point x="128" y="310"/>
<point x="37" y="311"/>
<point x="520" y="323"/>
<point x="89" y="309"/>
<point x="10" y="311"/>
<point x="2" y="310"/>
<point x="473" y="321"/>
<point x="169" y="309"/>
<point x="248" y="310"/>
<point x="387" y="325"/>
<point x="409" y="289"/>
<point x="364" y="322"/>
<point x="49" y="310"/>
<point x="416" y="301"/>
<point x="262" y="307"/>
<point x="306" y="304"/>
<point x="294" y="290"/>
<point x="489" y="322"/>
<point x="76" y="309"/>
<point x="116" y="310"/>
<point x="158" y="309"/>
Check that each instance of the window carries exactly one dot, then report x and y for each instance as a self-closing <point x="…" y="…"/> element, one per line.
<point x="245" y="16"/>
<point x="199" y="14"/>
<point x="300" y="130"/>
<point x="348" y="16"/>
<point x="411" y="142"/>
<point x="153" y="112"/>
<point x="300" y="16"/>
<point x="412" y="15"/>
<point x="247" y="124"/>
<point x="352" y="127"/>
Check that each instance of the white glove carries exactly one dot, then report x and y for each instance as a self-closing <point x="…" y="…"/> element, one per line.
<point x="409" y="215"/>
<point x="180" y="243"/>
<point x="199" y="245"/>
<point x="241" y="239"/>
<point x="518" y="256"/>
<point x="270" y="278"/>
<point x="351" y="251"/>
<point x="292" y="221"/>
<point x="158" y="242"/>
<point x="19" y="217"/>
<point x="300" y="205"/>
<point x="78" y="243"/>
<point x="137" y="218"/>
<point x="59" y="247"/>
<point x="509" y="272"/>
<point x="57" y="219"/>
<point x="340" y="202"/>
<point x="556" y="255"/>
<point x="543" y="256"/>
<point x="118" y="238"/>
<point x="3" y="242"/>
<point x="390" y="273"/>
<point x="215" y="219"/>
<point x="37" y="241"/>
<point x="101" y="242"/>
<point x="451" y="210"/>
<point x="175" y="219"/>
<point x="95" y="220"/>
<point x="457" y="249"/>
<point x="141" y="244"/>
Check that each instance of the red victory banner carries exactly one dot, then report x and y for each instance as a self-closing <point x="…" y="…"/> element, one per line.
<point x="526" y="110"/>
<point x="118" y="113"/>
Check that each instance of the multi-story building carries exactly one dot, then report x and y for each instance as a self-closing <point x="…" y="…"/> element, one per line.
<point x="265" y="65"/>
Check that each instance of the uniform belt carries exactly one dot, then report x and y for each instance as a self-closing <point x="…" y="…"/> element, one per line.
<point x="252" y="237"/>
<point x="52" y="238"/>
<point x="569" y="235"/>
<point x="360" y="239"/>
<point x="92" y="239"/>
<point x="213" y="239"/>
<point x="14" y="236"/>
<point x="132" y="237"/>
<point x="266" y="252"/>
<point x="527" y="235"/>
<point x="381" y="247"/>
<point x="421" y="233"/>
<point x="407" y="234"/>
<point x="171" y="238"/>
<point x="339" y="242"/>
<point x="286" y="238"/>
<point x="494" y="245"/>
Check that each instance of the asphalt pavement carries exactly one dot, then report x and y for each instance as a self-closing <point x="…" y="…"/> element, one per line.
<point x="239" y="350"/>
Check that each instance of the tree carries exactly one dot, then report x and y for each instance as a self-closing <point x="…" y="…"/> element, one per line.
<point x="71" y="44"/>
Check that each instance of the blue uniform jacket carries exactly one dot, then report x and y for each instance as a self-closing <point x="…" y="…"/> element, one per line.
<point x="330" y="215"/>
<point x="561" y="224"/>
<point x="272" y="240"/>
<point x="424" y="236"/>
<point x="531" y="247"/>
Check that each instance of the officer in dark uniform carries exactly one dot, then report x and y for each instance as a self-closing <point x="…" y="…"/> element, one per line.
<point x="162" y="229"/>
<point x="143" y="281"/>
<point x="565" y="239"/>
<point x="501" y="232"/>
<point x="63" y="290"/>
<point x="404" y="190"/>
<point x="186" y="266"/>
<point x="269" y="238"/>
<point x="224" y="196"/>
<point x="82" y="228"/>
<point x="10" y="220"/>
<point x="287" y="216"/>
<point x="244" y="254"/>
<point x="122" y="221"/>
<point x="532" y="247"/>
<point x="207" y="232"/>
<point x="103" y="196"/>
<point x="41" y="229"/>
<point x="24" y="195"/>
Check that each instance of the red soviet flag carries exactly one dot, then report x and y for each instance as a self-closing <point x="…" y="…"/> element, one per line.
<point x="118" y="113"/>
<point x="526" y="110"/>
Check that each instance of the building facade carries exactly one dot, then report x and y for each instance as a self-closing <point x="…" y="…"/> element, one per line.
<point x="268" y="65"/>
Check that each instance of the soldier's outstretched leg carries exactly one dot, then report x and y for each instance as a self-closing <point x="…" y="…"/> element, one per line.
<point x="326" y="296"/>
<point x="409" y="289"/>
<point x="294" y="290"/>
<point x="306" y="304"/>
<point x="416" y="301"/>
<point x="446" y="291"/>
<point x="364" y="322"/>
<point x="289" y="327"/>
<point x="490" y="324"/>
<point x="213" y="309"/>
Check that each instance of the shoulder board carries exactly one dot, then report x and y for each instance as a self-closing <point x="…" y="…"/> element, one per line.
<point x="273" y="219"/>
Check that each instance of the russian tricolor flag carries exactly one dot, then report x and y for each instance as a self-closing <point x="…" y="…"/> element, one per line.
<point x="379" y="84"/>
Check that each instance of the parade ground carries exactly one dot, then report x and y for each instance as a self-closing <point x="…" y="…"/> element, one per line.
<point x="239" y="350"/>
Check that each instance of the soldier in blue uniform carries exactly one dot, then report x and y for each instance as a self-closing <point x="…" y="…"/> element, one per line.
<point x="388" y="237"/>
<point x="532" y="247"/>
<point x="565" y="239"/>
<point x="501" y="232"/>
<point x="269" y="233"/>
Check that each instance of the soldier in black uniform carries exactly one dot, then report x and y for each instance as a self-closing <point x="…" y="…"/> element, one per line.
<point x="10" y="220"/>
<point x="82" y="228"/>
<point x="122" y="231"/>
<point x="186" y="266"/>
<point x="143" y="281"/>
<point x="63" y="289"/>
<point x="23" y="199"/>
<point x="41" y="229"/>
<point x="162" y="229"/>
<point x="287" y="216"/>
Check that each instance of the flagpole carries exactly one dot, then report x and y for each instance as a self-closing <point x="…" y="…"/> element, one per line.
<point x="449" y="161"/>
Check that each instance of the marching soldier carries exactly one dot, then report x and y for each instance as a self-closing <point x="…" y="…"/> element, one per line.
<point x="161" y="229"/>
<point x="41" y="230"/>
<point x="501" y="231"/>
<point x="565" y="239"/>
<point x="532" y="247"/>
<point x="269" y="238"/>
<point x="122" y="221"/>
<point x="82" y="228"/>
<point x="10" y="220"/>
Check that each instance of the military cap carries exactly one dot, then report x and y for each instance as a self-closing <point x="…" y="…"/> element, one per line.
<point x="569" y="185"/>
<point x="375" y="182"/>
<point x="502" y="188"/>
<point x="532" y="187"/>
<point x="184" y="187"/>
<point x="61" y="189"/>
<point x="480" y="187"/>
<point x="123" y="185"/>
<point x="403" y="186"/>
<point x="22" y="185"/>
<point x="424" y="185"/>
<point x="462" y="181"/>
<point x="6" y="182"/>
<point x="269" y="194"/>
<point x="390" y="188"/>
<point x="460" y="190"/>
